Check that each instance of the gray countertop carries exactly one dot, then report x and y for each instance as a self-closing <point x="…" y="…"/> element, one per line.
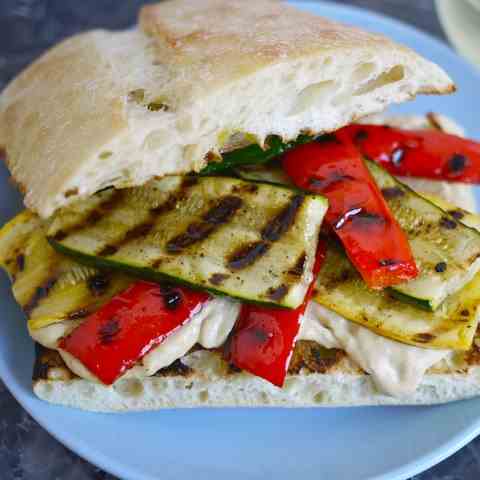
<point x="27" y="27"/>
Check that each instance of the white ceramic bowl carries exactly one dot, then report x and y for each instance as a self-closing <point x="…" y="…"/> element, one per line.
<point x="461" y="21"/>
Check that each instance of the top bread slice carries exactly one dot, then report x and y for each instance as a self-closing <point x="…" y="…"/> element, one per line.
<point x="117" y="108"/>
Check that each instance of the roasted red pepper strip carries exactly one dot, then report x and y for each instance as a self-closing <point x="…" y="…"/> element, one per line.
<point x="418" y="153"/>
<point x="114" y="338"/>
<point x="358" y="214"/>
<point x="264" y="337"/>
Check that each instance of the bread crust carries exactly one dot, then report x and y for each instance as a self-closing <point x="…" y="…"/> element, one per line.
<point x="204" y="379"/>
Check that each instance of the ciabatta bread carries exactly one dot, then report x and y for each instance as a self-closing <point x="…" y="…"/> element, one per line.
<point x="105" y="108"/>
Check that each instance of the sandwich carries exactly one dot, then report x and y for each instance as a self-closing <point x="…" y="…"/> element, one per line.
<point x="217" y="216"/>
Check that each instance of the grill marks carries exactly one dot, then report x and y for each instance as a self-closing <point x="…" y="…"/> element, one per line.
<point x="172" y="297"/>
<point x="423" y="337"/>
<point x="246" y="255"/>
<point x="277" y="293"/>
<point x="40" y="292"/>
<point x="299" y="267"/>
<point x="221" y="213"/>
<point x="137" y="231"/>
<point x="448" y="223"/>
<point x="97" y="285"/>
<point x="144" y="228"/>
<point x="360" y="219"/>
<point x="333" y="179"/>
<point x="185" y="226"/>
<point x="218" y="278"/>
<point x="93" y="216"/>
<point x="457" y="164"/>
<point x="109" y="330"/>
<point x="20" y="261"/>
<point x="283" y="221"/>
<point x="78" y="314"/>
<point x="390" y="193"/>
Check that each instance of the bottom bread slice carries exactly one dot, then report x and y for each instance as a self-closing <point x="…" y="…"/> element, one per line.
<point x="317" y="377"/>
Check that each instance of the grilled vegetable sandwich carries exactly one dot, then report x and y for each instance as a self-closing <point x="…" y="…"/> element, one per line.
<point x="210" y="220"/>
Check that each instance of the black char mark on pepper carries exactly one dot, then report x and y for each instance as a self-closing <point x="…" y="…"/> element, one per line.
<point x="109" y="330"/>
<point x="328" y="138"/>
<point x="172" y="297"/>
<point x="392" y="192"/>
<point x="260" y="335"/>
<point x="440" y="267"/>
<point x="196" y="232"/>
<point x="360" y="218"/>
<point x="387" y="262"/>
<point x="397" y="156"/>
<point x="98" y="284"/>
<point x="40" y="292"/>
<point x="457" y="164"/>
<point x="367" y="219"/>
<point x="360" y="136"/>
<point x="324" y="183"/>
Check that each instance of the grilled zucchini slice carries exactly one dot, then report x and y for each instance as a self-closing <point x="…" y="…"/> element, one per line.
<point x="452" y="326"/>
<point x="251" y="241"/>
<point x="447" y="251"/>
<point x="445" y="247"/>
<point x="50" y="287"/>
<point x="469" y="219"/>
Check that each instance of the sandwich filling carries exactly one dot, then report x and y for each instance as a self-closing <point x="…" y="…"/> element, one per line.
<point x="315" y="240"/>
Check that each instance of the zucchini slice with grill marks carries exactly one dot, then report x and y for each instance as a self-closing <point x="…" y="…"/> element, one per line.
<point x="469" y="219"/>
<point x="50" y="287"/>
<point x="445" y="246"/>
<point x="447" y="251"/>
<point x="452" y="326"/>
<point x="248" y="240"/>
